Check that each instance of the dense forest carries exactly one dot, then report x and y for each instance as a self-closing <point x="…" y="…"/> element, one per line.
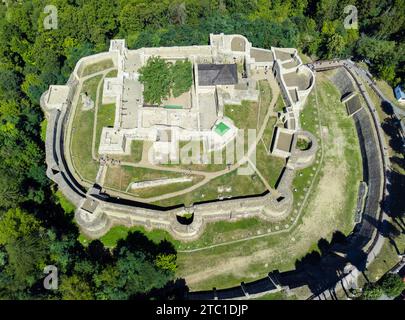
<point x="36" y="227"/>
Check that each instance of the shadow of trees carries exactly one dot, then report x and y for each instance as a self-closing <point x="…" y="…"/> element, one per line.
<point x="138" y="242"/>
<point x="52" y="215"/>
<point x="392" y="126"/>
<point x="321" y="269"/>
<point x="394" y="204"/>
<point x="174" y="290"/>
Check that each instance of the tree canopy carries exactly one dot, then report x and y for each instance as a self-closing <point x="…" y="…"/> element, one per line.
<point x="162" y="79"/>
<point x="390" y="284"/>
<point x="156" y="78"/>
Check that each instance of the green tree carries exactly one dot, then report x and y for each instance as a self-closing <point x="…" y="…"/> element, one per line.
<point x="9" y="84"/>
<point x="138" y="275"/>
<point x="132" y="274"/>
<point x="371" y="292"/>
<point x="16" y="223"/>
<point x="156" y="77"/>
<point x="392" y="285"/>
<point x="75" y="288"/>
<point x="182" y="77"/>
<point x="166" y="262"/>
<point x="26" y="257"/>
<point x="335" y="46"/>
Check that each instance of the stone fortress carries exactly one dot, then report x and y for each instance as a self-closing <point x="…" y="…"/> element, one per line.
<point x="199" y="113"/>
<point x="224" y="72"/>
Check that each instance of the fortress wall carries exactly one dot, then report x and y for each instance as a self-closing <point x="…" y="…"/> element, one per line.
<point x="230" y="210"/>
<point x="83" y="62"/>
<point x="176" y="52"/>
<point x="50" y="150"/>
<point x="373" y="162"/>
<point x="55" y="159"/>
<point x="372" y="169"/>
<point x="286" y="95"/>
<point x="303" y="158"/>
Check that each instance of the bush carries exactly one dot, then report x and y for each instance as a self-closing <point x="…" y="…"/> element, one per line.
<point x="182" y="77"/>
<point x="160" y="79"/>
<point x="372" y="291"/>
<point x="392" y="285"/>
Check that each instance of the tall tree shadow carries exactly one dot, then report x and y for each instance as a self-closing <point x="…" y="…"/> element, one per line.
<point x="137" y="241"/>
<point x="173" y="290"/>
<point x="320" y="270"/>
<point x="394" y="204"/>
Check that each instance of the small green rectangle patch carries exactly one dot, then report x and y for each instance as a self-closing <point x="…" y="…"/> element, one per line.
<point x="221" y="128"/>
<point x="172" y="106"/>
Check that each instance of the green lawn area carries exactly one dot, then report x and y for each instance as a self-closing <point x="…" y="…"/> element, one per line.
<point x="97" y="67"/>
<point x="155" y="191"/>
<point x="244" y="115"/>
<point x="270" y="167"/>
<point x="268" y="132"/>
<point x="281" y="295"/>
<point x="105" y="118"/>
<point x="240" y="185"/>
<point x="43" y="125"/>
<point x="82" y="135"/>
<point x="265" y="99"/>
<point x="112" y="74"/>
<point x="111" y="238"/>
<point x="120" y="177"/>
<point x="279" y="104"/>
